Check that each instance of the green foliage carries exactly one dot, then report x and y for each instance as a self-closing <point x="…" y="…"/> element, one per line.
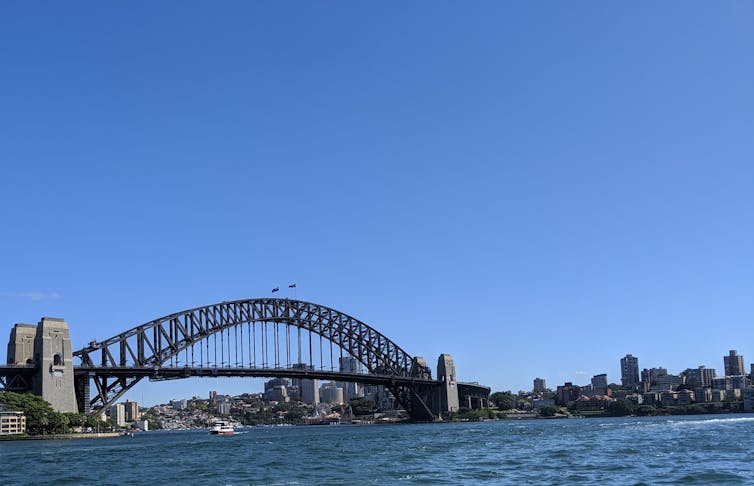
<point x="152" y="419"/>
<point x="646" y="410"/>
<point x="620" y="408"/>
<point x="200" y="405"/>
<point x="503" y="400"/>
<point x="548" y="411"/>
<point x="40" y="417"/>
<point x="76" y="419"/>
<point x="475" y="415"/>
<point x="363" y="406"/>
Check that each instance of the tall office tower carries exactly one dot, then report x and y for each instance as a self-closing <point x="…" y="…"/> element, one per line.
<point x="599" y="384"/>
<point x="349" y="364"/>
<point x="308" y="389"/>
<point x="734" y="364"/>
<point x="118" y="414"/>
<point x="629" y="370"/>
<point x="700" y="377"/>
<point x="655" y="373"/>
<point x="539" y="385"/>
<point x="331" y="393"/>
<point x="646" y="376"/>
<point x="132" y="411"/>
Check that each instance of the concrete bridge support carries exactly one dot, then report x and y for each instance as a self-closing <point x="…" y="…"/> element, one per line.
<point x="446" y="399"/>
<point x="50" y="350"/>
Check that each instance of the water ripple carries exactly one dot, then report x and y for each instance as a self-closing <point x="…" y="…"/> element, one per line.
<point x="639" y="451"/>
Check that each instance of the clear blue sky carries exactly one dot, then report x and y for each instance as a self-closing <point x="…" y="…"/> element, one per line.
<point x="537" y="188"/>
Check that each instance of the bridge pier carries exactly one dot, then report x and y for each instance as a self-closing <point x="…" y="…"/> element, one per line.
<point x="50" y="351"/>
<point x="81" y="385"/>
<point x="447" y="395"/>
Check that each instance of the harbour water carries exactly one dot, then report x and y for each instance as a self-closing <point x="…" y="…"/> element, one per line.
<point x="704" y="449"/>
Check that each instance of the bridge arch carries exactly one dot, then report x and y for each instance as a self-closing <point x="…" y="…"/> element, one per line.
<point x="160" y="342"/>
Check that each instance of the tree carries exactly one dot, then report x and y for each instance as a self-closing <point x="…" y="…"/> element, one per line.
<point x="40" y="417"/>
<point x="548" y="411"/>
<point x="503" y="400"/>
<point x="620" y="408"/>
<point x="363" y="406"/>
<point x="645" y="410"/>
<point x="76" y="419"/>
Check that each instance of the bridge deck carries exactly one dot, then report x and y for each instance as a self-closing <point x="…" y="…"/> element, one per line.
<point x="169" y="373"/>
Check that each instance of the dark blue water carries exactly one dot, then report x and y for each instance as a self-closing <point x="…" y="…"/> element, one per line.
<point x="647" y="450"/>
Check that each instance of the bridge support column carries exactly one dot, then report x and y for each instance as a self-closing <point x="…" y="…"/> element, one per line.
<point x="81" y="384"/>
<point x="446" y="400"/>
<point x="54" y="359"/>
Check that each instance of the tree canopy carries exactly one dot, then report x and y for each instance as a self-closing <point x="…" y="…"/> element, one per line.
<point x="40" y="417"/>
<point x="503" y="400"/>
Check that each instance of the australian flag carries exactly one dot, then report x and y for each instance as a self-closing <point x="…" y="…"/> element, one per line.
<point x="292" y="286"/>
<point x="275" y="289"/>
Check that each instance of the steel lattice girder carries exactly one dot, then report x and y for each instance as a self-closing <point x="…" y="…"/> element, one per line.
<point x="156" y="342"/>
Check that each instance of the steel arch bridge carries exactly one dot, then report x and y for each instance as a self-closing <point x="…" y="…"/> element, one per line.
<point x="263" y="337"/>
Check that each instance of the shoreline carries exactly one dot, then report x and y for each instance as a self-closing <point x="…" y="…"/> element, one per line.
<point x="93" y="435"/>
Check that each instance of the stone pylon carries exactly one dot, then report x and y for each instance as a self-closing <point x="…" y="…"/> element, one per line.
<point x="54" y="359"/>
<point x="448" y="393"/>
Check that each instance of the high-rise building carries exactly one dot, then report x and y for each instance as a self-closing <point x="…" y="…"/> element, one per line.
<point x="667" y="382"/>
<point x="567" y="393"/>
<point x="268" y="385"/>
<point x="655" y="373"/>
<point x="539" y="385"/>
<point x="118" y="415"/>
<point x="223" y="407"/>
<point x="738" y="382"/>
<point x="599" y="384"/>
<point x="649" y="378"/>
<point x="721" y="383"/>
<point x="349" y="364"/>
<point x="331" y="393"/>
<point x="734" y="364"/>
<point x="132" y="411"/>
<point x="701" y="377"/>
<point x="308" y="389"/>
<point x="629" y="370"/>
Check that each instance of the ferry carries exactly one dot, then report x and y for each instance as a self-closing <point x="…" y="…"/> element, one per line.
<point x="221" y="428"/>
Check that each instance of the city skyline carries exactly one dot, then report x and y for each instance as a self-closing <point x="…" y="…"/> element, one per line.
<point x="534" y="189"/>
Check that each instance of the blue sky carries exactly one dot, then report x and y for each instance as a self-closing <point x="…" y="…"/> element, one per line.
<point x="537" y="188"/>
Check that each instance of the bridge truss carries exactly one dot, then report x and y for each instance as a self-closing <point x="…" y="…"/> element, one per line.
<point x="253" y="337"/>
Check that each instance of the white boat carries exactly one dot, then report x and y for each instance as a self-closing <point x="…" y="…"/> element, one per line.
<point x="221" y="428"/>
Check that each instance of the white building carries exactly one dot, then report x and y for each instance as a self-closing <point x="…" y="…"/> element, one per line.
<point x="118" y="414"/>
<point x="330" y="393"/>
<point x="179" y="404"/>
<point x="223" y="407"/>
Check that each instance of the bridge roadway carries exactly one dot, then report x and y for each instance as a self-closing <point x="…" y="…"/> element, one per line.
<point x="170" y="373"/>
<point x="19" y="376"/>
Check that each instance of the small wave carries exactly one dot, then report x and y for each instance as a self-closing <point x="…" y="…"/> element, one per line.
<point x="712" y="421"/>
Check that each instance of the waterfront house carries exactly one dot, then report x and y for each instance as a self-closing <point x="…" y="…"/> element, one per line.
<point x="11" y="422"/>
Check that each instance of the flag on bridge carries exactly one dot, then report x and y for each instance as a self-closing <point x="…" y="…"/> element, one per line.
<point x="292" y="286"/>
<point x="275" y="289"/>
